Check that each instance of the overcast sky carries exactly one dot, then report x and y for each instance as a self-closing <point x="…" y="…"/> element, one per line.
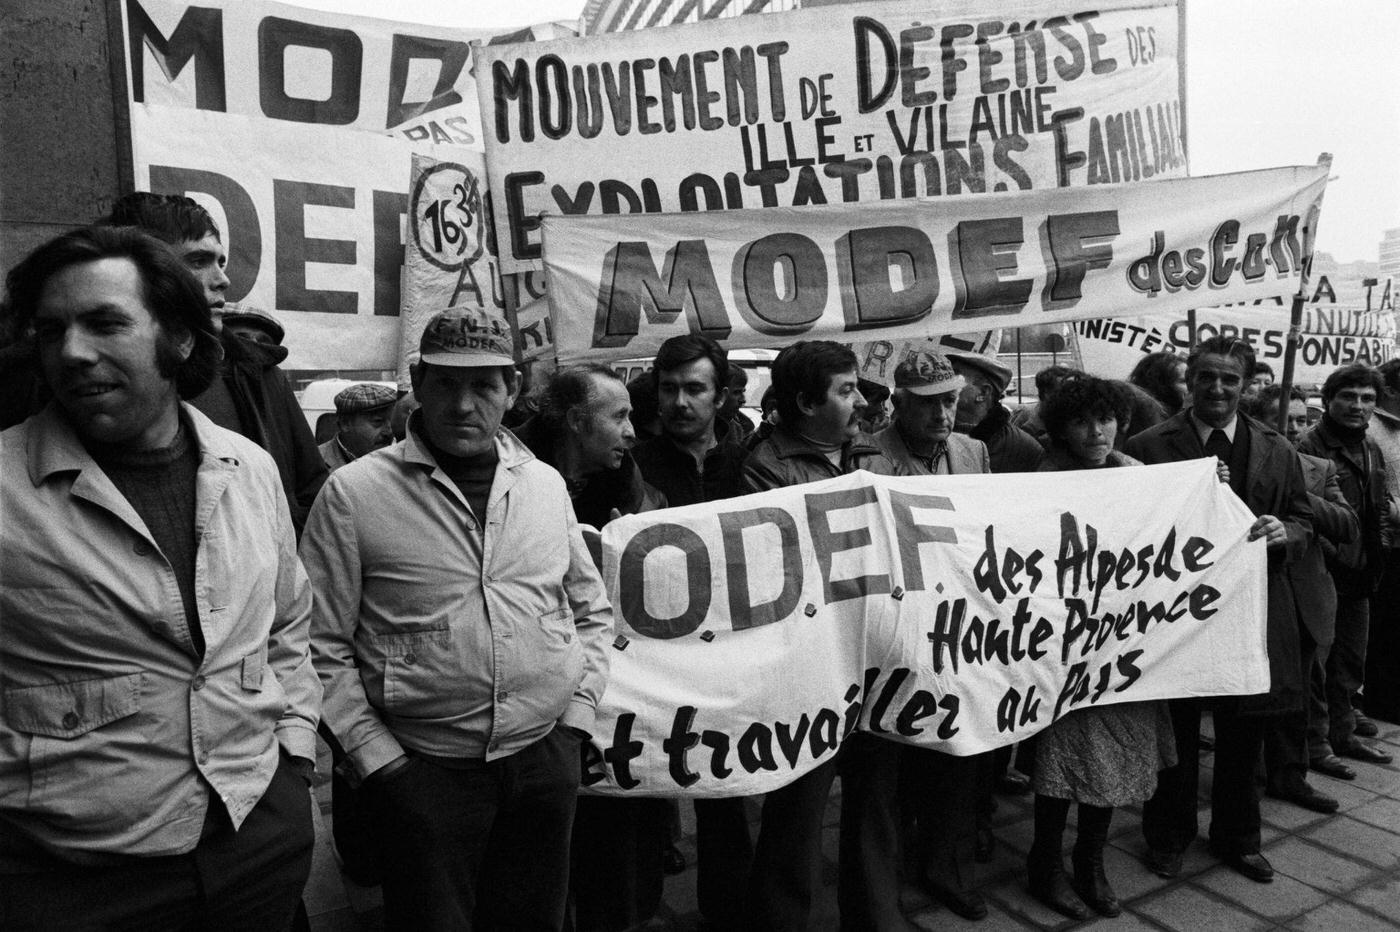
<point x="1269" y="82"/>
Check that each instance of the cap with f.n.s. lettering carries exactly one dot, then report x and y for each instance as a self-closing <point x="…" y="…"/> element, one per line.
<point x="461" y="336"/>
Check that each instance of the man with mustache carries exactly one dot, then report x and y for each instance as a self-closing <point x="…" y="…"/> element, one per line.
<point x="816" y="386"/>
<point x="160" y="706"/>
<point x="690" y="463"/>
<point x="460" y="629"/>
<point x="362" y="417"/>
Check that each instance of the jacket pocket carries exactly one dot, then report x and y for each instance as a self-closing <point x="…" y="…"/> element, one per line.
<point x="82" y="765"/>
<point x="419" y="668"/>
<point x="253" y="666"/>
<point x="561" y="653"/>
<point x="559" y="623"/>
<point x="70" y="710"/>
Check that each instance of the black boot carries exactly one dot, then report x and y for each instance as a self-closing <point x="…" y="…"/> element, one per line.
<point x="1089" y="880"/>
<point x="1045" y="868"/>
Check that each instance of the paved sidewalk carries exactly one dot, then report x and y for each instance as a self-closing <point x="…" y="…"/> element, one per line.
<point x="1338" y="873"/>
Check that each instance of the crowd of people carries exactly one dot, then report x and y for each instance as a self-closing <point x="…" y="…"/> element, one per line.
<point x="192" y="590"/>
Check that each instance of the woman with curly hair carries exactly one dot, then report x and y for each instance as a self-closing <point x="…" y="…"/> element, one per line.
<point x="1100" y="756"/>
<point x="1163" y="376"/>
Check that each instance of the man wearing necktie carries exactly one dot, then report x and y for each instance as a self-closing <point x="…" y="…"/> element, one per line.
<point x="1262" y="469"/>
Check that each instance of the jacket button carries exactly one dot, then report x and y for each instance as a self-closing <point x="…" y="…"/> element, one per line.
<point x="502" y="696"/>
<point x="410" y="659"/>
<point x="198" y="683"/>
<point x="71" y="721"/>
<point x="203" y="757"/>
<point x="141" y="548"/>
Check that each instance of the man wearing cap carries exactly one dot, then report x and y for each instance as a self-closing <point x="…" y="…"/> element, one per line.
<point x="982" y="416"/>
<point x="940" y="789"/>
<point x="253" y="325"/>
<point x="362" y="415"/>
<point x="921" y="440"/>
<point x="460" y="629"/>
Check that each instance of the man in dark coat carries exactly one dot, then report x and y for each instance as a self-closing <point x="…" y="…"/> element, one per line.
<point x="1262" y="469"/>
<point x="584" y="430"/>
<point x="1349" y="397"/>
<point x="1287" y="748"/>
<point x="817" y="437"/>
<point x="982" y="416"/>
<point x="251" y="395"/>
<point x="689" y="462"/>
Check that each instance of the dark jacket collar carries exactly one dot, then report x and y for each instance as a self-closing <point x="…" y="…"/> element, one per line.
<point x="787" y="444"/>
<point x="992" y="424"/>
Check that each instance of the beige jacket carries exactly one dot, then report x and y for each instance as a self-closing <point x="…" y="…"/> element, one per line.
<point x="112" y="729"/>
<point x="432" y="635"/>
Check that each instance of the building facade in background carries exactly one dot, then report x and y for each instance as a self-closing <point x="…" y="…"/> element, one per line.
<point x="1390" y="255"/>
<point x="623" y="15"/>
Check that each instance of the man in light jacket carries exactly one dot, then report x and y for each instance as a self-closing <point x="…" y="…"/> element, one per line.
<point x="460" y="631"/>
<point x="157" y="701"/>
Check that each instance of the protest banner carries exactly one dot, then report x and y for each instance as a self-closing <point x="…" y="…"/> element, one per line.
<point x="914" y="269"/>
<point x="955" y="612"/>
<point x="278" y="62"/>
<point x="322" y="250"/>
<point x="879" y="358"/>
<point x="1332" y="335"/>
<point x="534" y="331"/>
<point x="296" y="128"/>
<point x="448" y="261"/>
<point x="833" y="104"/>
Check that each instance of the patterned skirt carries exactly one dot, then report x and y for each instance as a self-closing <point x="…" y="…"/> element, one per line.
<point x="1105" y="755"/>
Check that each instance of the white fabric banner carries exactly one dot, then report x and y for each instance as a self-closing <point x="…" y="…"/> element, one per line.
<point x="286" y="63"/>
<point x="833" y="104"/>
<point x="620" y="285"/>
<point x="955" y="612"/>
<point x="312" y="218"/>
<point x="296" y="128"/>
<point x="1332" y="335"/>
<point x="447" y="261"/>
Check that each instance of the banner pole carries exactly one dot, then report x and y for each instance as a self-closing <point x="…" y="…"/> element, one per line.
<point x="1290" y="352"/>
<point x="1295" y="320"/>
<point x="1020" y="386"/>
